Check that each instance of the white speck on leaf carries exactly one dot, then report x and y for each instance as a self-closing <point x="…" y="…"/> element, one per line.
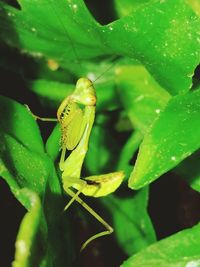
<point x="21" y="245"/>
<point x="139" y="98"/>
<point x="75" y="6"/>
<point x="193" y="263"/>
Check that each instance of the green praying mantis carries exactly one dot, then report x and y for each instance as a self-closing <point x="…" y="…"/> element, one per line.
<point x="76" y="116"/>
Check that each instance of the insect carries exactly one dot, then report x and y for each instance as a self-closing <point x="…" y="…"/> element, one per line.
<point x="76" y="125"/>
<point x="76" y="116"/>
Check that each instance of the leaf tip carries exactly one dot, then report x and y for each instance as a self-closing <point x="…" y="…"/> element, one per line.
<point x="135" y="183"/>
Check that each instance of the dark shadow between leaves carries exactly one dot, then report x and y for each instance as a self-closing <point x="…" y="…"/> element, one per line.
<point x="189" y="168"/>
<point x="12" y="212"/>
<point x="196" y="78"/>
<point x="103" y="11"/>
<point x="166" y="204"/>
<point x="13" y="3"/>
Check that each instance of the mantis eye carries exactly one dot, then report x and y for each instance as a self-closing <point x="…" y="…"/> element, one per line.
<point x="89" y="100"/>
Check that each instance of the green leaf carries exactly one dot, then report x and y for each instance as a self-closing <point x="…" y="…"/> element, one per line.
<point x="142" y="97"/>
<point x="32" y="236"/>
<point x="53" y="205"/>
<point x="165" y="37"/>
<point x="173" y="137"/>
<point x="102" y="148"/>
<point x="195" y="4"/>
<point x="60" y="244"/>
<point x="128" y="152"/>
<point x="24" y="164"/>
<point x="53" y="143"/>
<point x="132" y="225"/>
<point x="125" y="7"/>
<point x="17" y="121"/>
<point x="60" y="22"/>
<point x="28" y="169"/>
<point x="23" y="161"/>
<point x="181" y="249"/>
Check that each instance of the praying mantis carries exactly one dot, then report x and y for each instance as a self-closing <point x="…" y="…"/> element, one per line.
<point x="76" y="116"/>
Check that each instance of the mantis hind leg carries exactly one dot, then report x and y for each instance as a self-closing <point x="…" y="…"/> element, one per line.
<point x="109" y="229"/>
<point x="70" y="181"/>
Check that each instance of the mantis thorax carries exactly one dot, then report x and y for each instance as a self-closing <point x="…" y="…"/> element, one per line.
<point x="71" y="112"/>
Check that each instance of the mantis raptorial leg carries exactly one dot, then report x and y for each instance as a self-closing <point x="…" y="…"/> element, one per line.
<point x="76" y="117"/>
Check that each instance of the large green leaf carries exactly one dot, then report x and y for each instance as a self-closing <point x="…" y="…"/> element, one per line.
<point x="125" y="7"/>
<point x="33" y="180"/>
<point x="181" y="249"/>
<point x="142" y="97"/>
<point x="174" y="136"/>
<point x="50" y="36"/>
<point x="21" y="150"/>
<point x="30" y="169"/>
<point x="163" y="35"/>
<point x="16" y="121"/>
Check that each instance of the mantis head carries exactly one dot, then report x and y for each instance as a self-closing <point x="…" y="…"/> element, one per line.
<point x="84" y="92"/>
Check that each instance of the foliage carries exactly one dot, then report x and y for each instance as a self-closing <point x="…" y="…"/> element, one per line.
<point x="145" y="68"/>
